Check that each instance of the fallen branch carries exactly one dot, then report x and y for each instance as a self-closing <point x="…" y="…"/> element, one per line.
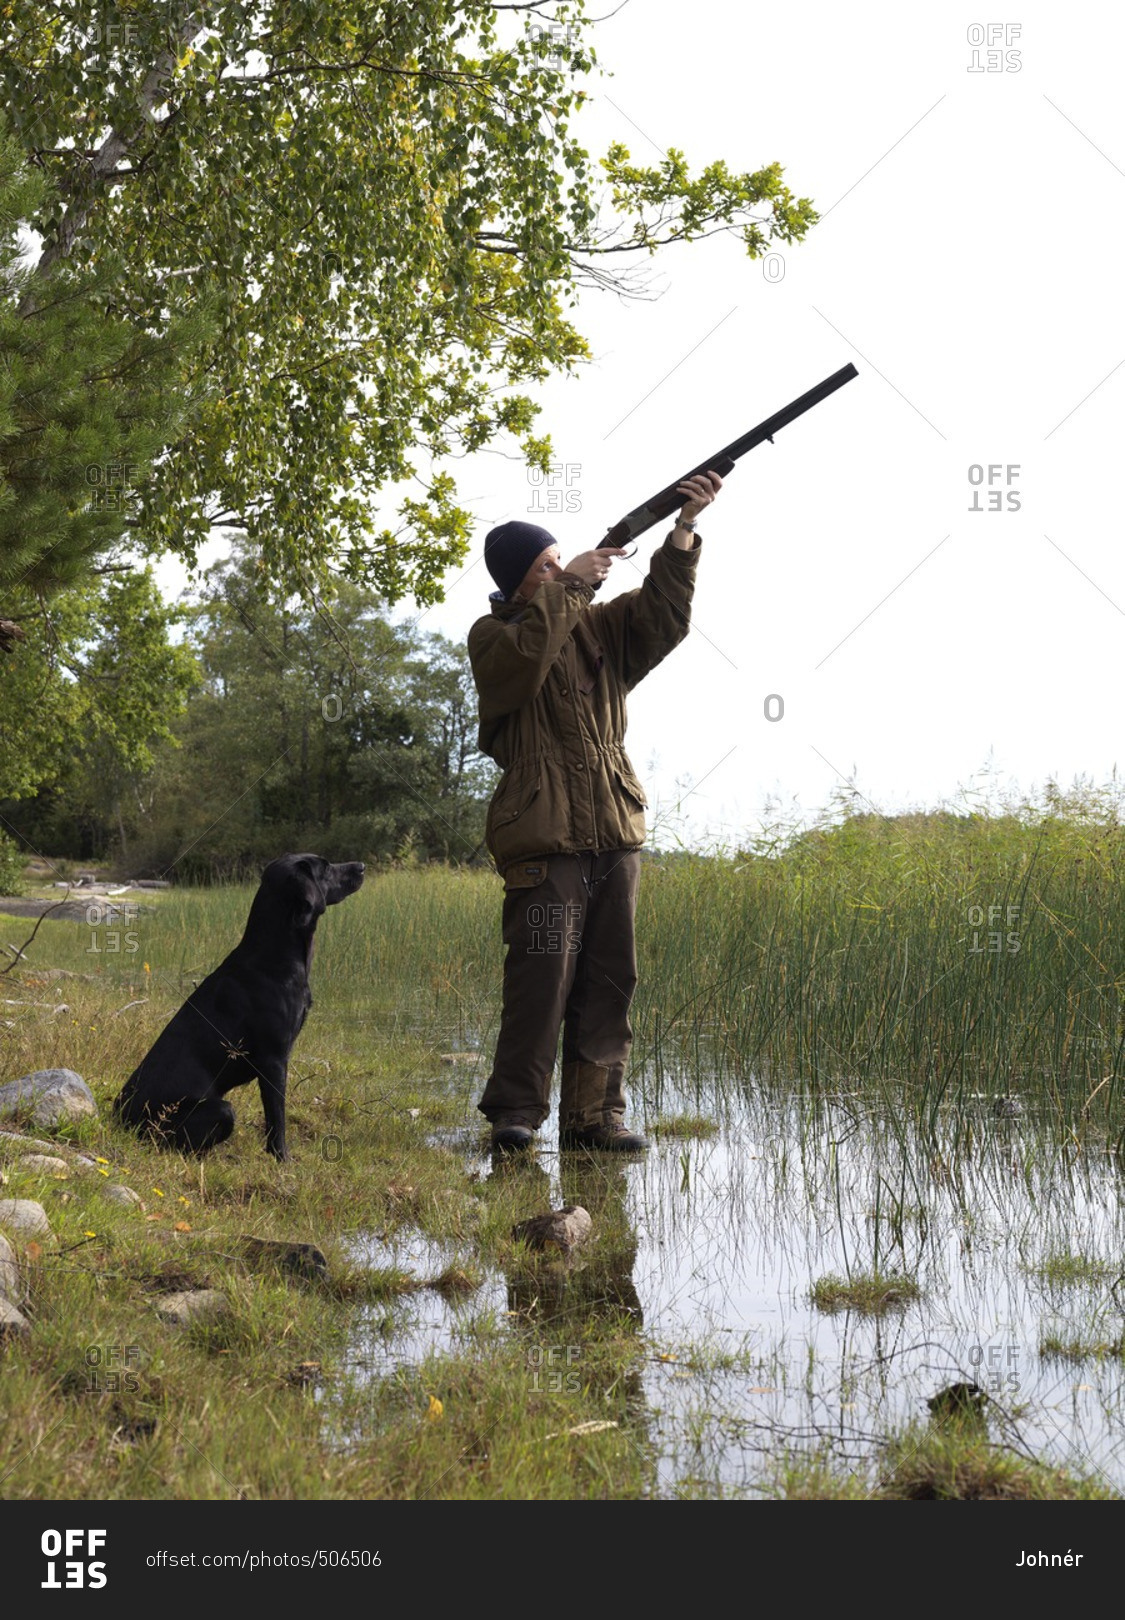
<point x="16" y="959"/>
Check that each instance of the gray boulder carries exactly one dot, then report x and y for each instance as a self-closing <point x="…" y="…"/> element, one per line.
<point x="24" y="1215"/>
<point x="48" y="1097"/>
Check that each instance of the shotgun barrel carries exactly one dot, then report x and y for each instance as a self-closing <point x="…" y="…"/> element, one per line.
<point x="669" y="500"/>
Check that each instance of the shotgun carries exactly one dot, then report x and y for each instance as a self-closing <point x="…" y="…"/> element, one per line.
<point x="722" y="462"/>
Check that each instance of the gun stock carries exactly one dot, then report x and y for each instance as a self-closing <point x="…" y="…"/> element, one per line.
<point x="669" y="500"/>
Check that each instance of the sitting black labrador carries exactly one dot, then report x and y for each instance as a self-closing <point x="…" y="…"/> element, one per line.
<point x="241" y="1022"/>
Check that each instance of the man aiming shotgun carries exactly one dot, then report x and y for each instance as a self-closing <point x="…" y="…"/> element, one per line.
<point x="566" y="824"/>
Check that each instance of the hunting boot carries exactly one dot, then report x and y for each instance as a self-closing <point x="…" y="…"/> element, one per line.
<point x="512" y="1133"/>
<point x="591" y="1110"/>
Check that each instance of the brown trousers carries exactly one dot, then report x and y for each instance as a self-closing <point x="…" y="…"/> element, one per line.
<point x="571" y="964"/>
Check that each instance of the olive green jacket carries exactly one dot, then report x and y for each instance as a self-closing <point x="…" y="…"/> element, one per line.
<point x="552" y="675"/>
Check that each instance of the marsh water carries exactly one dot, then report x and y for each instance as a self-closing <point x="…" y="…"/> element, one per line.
<point x="1008" y="1222"/>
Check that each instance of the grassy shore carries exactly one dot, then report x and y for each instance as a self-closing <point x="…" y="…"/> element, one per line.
<point x="945" y="959"/>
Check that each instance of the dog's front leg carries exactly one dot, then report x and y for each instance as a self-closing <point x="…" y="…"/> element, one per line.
<point x="271" y="1084"/>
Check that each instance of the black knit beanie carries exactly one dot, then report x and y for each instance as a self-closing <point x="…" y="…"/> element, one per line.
<point x="510" y="550"/>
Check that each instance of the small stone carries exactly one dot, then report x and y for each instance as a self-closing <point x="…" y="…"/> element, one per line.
<point x="197" y="1305"/>
<point x="561" y="1229"/>
<point x="10" y="1286"/>
<point x="24" y="1215"/>
<point x="13" y="1323"/>
<point x="115" y="1193"/>
<point x="13" y="1142"/>
<point x="301" y="1259"/>
<point x="46" y="1164"/>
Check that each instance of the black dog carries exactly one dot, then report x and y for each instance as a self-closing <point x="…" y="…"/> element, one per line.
<point x="240" y="1023"/>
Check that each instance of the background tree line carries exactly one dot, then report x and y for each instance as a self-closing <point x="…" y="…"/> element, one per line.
<point x="282" y="727"/>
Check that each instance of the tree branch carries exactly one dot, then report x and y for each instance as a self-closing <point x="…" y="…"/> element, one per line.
<point x="115" y="146"/>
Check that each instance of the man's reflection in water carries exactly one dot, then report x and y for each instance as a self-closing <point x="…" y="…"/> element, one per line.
<point x="582" y="1317"/>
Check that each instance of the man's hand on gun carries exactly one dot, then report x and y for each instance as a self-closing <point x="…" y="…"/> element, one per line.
<point x="593" y="566"/>
<point x="698" y="492"/>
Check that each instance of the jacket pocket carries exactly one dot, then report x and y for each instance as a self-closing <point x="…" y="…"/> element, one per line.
<point x="511" y="799"/>
<point x="630" y="786"/>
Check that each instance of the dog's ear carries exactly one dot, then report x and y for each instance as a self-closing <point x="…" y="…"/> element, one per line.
<point x="308" y="893"/>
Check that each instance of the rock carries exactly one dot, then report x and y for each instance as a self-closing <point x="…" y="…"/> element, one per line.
<point x="48" y="1097"/>
<point x="30" y="1147"/>
<point x="11" y="1288"/>
<point x="198" y="1305"/>
<point x="964" y="1403"/>
<point x="561" y="1229"/>
<point x="15" y="1142"/>
<point x="24" y="1215"/>
<point x="46" y="1164"/>
<point x="13" y="1323"/>
<point x="115" y="1193"/>
<point x="300" y="1259"/>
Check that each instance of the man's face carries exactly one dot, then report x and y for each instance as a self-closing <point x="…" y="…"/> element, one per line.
<point x="545" y="566"/>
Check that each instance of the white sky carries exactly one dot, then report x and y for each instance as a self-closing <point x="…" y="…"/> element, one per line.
<point x="969" y="262"/>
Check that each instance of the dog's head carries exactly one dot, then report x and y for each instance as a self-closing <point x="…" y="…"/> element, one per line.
<point x="308" y="884"/>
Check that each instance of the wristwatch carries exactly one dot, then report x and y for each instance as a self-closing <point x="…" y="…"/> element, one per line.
<point x="682" y="523"/>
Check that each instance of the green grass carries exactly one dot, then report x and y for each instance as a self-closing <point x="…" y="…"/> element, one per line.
<point x="870" y="1294"/>
<point x="922" y="1464"/>
<point x="684" y="1125"/>
<point x="1075" y="1347"/>
<point x="1065" y="1270"/>
<point x="839" y="974"/>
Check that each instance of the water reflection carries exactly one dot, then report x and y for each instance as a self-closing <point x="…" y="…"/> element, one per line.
<point x="564" y="1310"/>
<point x="707" y="1251"/>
